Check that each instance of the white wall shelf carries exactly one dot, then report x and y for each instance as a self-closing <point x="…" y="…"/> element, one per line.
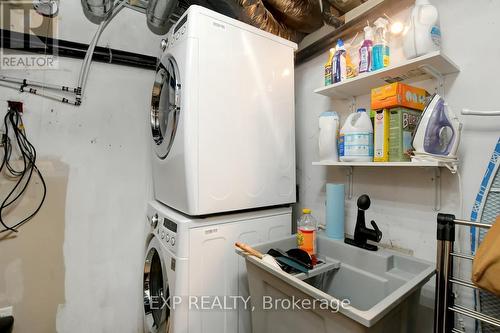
<point x="434" y="165"/>
<point x="381" y="164"/>
<point x="431" y="65"/>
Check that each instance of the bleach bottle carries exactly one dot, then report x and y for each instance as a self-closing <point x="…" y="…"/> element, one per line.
<point x="422" y="33"/>
<point x="356" y="138"/>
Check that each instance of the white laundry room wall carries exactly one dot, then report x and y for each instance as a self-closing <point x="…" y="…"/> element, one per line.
<point x="403" y="198"/>
<point x="90" y="234"/>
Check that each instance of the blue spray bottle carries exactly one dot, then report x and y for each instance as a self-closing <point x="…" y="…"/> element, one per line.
<point x="381" y="53"/>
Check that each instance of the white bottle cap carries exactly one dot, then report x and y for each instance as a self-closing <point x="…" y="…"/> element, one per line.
<point x="368" y="33"/>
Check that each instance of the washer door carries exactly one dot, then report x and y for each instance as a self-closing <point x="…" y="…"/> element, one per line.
<point x="165" y="106"/>
<point x="156" y="291"/>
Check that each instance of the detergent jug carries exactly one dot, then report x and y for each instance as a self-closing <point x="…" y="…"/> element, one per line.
<point x="422" y="33"/>
<point x="356" y="138"/>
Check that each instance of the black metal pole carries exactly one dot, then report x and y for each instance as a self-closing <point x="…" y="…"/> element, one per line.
<point x="443" y="317"/>
<point x="44" y="45"/>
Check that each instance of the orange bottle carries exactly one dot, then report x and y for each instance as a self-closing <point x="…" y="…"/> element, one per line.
<point x="306" y="232"/>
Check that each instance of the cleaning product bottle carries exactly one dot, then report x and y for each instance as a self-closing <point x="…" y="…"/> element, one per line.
<point x="351" y="60"/>
<point x="380" y="51"/>
<point x="422" y="33"/>
<point x="328" y="68"/>
<point x="365" y="51"/>
<point x="356" y="138"/>
<point x="339" y="66"/>
<point x="306" y="232"/>
<point x="328" y="129"/>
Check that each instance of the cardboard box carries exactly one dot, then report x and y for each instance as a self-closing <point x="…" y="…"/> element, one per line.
<point x="401" y="127"/>
<point x="398" y="94"/>
<point x="381" y="136"/>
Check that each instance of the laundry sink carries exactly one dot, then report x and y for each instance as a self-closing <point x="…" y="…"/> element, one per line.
<point x="382" y="289"/>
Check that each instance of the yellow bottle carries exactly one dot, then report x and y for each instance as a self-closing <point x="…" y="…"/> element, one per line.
<point x="328" y="68"/>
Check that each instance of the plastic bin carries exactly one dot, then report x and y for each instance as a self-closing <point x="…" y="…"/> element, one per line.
<point x="383" y="289"/>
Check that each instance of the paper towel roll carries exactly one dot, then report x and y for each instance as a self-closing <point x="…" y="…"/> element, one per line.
<point x="335" y="211"/>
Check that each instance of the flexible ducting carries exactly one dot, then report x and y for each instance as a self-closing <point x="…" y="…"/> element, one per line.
<point x="299" y="15"/>
<point x="158" y="15"/>
<point x="97" y="10"/>
<point x="256" y="14"/>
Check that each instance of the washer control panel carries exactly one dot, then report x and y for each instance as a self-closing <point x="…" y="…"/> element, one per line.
<point x="167" y="232"/>
<point x="176" y="34"/>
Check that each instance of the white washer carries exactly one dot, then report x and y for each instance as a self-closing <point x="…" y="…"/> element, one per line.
<point x="196" y="257"/>
<point x="222" y="117"/>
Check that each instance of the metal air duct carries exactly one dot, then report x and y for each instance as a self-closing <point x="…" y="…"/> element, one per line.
<point x="97" y="10"/>
<point x="158" y="15"/>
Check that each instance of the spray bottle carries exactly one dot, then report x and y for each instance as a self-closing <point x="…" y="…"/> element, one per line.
<point x="365" y="51"/>
<point x="339" y="66"/>
<point x="381" y="52"/>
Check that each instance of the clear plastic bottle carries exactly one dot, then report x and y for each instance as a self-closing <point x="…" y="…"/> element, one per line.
<point x="307" y="227"/>
<point x="380" y="51"/>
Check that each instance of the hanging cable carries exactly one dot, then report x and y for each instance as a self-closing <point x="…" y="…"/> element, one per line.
<point x="13" y="122"/>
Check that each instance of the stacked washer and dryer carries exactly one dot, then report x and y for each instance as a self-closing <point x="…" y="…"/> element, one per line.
<point x="222" y="120"/>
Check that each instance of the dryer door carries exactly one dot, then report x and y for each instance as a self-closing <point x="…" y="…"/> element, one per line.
<point x="156" y="291"/>
<point x="165" y="106"/>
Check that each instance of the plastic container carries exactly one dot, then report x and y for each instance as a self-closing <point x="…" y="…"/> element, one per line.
<point x="328" y="68"/>
<point x="335" y="201"/>
<point x="365" y="51"/>
<point x="356" y="138"/>
<point x="328" y="131"/>
<point x="352" y="60"/>
<point x="422" y="33"/>
<point x="339" y="65"/>
<point x="381" y="52"/>
<point x="307" y="227"/>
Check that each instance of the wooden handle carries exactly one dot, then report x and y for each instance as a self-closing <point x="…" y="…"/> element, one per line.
<point x="249" y="250"/>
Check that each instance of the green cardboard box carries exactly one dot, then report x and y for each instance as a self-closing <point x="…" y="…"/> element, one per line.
<point x="402" y="124"/>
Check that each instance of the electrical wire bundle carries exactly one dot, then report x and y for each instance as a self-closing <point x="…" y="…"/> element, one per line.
<point x="14" y="122"/>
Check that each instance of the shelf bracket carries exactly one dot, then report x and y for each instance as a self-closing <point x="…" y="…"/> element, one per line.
<point x="350" y="181"/>
<point x="436" y="75"/>
<point x="437" y="189"/>
<point x="353" y="104"/>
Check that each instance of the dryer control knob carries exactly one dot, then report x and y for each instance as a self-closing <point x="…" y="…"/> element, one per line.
<point x="172" y="241"/>
<point x="154" y="220"/>
<point x="162" y="235"/>
<point x="167" y="237"/>
<point x="163" y="44"/>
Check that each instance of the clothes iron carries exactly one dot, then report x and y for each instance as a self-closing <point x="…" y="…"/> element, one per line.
<point x="437" y="134"/>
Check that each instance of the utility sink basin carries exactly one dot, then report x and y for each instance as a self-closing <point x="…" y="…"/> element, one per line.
<point x="380" y="291"/>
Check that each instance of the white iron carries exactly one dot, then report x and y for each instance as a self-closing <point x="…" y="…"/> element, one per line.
<point x="437" y="135"/>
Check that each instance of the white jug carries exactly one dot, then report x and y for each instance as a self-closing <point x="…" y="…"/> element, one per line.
<point x="328" y="129"/>
<point x="422" y="33"/>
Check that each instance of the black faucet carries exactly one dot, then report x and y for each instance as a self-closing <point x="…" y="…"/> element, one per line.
<point x="361" y="232"/>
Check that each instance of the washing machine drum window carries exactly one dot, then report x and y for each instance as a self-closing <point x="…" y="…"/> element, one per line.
<point x="165" y="106"/>
<point x="156" y="294"/>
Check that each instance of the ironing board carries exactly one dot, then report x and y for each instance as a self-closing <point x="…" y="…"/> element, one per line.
<point x="485" y="210"/>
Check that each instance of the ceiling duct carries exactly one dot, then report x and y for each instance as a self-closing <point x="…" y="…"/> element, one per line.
<point x="97" y="10"/>
<point x="159" y="14"/>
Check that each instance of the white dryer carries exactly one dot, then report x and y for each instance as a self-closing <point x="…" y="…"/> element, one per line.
<point x="195" y="257"/>
<point x="222" y="117"/>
